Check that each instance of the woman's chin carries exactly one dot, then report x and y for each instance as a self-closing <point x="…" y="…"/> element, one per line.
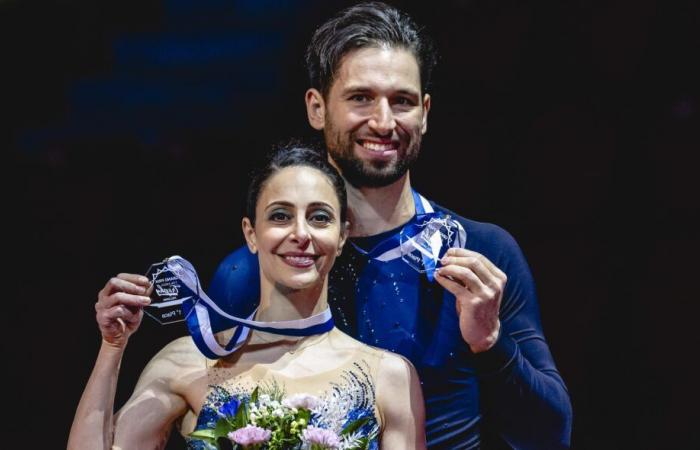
<point x="301" y="281"/>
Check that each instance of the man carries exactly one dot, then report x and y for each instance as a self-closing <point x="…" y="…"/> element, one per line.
<point x="472" y="327"/>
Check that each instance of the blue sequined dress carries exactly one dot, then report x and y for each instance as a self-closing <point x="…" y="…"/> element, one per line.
<point x="345" y="392"/>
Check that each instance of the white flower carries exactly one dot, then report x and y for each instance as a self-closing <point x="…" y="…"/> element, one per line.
<point x="301" y="401"/>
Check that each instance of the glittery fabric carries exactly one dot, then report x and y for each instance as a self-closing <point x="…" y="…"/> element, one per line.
<point x="391" y="306"/>
<point x="350" y="397"/>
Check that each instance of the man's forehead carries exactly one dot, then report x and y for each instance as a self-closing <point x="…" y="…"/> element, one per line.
<point x="378" y="67"/>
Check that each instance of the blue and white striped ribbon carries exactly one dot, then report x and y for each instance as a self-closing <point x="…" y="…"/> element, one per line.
<point x="393" y="248"/>
<point x="197" y="310"/>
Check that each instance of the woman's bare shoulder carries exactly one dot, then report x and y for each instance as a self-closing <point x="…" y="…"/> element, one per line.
<point x="178" y="355"/>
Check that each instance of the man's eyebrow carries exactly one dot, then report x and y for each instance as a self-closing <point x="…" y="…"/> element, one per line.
<point x="350" y="89"/>
<point x="364" y="89"/>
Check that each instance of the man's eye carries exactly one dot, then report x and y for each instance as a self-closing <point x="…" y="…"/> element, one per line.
<point x="404" y="101"/>
<point x="360" y="98"/>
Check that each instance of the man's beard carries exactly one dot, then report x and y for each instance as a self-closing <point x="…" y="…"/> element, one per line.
<point x="371" y="174"/>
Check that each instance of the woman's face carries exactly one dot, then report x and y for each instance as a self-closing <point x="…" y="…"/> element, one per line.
<point x="298" y="231"/>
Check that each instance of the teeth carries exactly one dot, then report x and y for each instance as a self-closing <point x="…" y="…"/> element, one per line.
<point x="377" y="147"/>
<point x="299" y="259"/>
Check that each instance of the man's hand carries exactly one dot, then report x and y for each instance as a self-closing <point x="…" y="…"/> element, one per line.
<point x="478" y="286"/>
<point x="119" y="307"/>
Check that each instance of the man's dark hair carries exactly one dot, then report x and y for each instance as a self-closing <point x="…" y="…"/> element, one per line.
<point x="295" y="154"/>
<point x="373" y="24"/>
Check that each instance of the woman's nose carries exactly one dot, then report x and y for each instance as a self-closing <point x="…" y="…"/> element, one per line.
<point x="300" y="231"/>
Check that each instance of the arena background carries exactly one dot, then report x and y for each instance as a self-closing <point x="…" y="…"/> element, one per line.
<point x="132" y="127"/>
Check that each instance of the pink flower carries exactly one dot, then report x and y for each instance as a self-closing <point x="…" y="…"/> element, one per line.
<point x="321" y="437"/>
<point x="250" y="435"/>
<point x="301" y="401"/>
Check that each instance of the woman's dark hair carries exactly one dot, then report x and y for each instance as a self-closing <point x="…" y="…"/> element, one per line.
<point x="294" y="155"/>
<point x="373" y="24"/>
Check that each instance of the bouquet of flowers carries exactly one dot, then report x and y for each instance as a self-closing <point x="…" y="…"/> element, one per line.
<point x="268" y="421"/>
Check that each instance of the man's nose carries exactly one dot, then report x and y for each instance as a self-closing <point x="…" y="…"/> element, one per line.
<point x="382" y="120"/>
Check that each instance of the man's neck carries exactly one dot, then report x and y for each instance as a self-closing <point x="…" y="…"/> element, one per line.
<point x="375" y="210"/>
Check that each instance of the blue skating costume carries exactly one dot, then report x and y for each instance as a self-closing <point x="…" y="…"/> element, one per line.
<point x="512" y="390"/>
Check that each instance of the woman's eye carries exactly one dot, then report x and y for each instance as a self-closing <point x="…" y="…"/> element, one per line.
<point x="279" y="216"/>
<point x="321" y="218"/>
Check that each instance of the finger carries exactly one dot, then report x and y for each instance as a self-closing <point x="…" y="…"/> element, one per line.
<point x="476" y="265"/>
<point x="116" y="284"/>
<point x="463" y="252"/>
<point x="120" y="312"/>
<point x="451" y="285"/>
<point x="122" y="325"/>
<point x="130" y="300"/>
<point x="139" y="280"/>
<point x="465" y="276"/>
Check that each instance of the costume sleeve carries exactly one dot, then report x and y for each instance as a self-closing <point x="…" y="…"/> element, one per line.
<point x="522" y="391"/>
<point x="235" y="286"/>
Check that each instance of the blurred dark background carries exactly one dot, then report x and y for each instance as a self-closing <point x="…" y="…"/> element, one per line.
<point x="132" y="127"/>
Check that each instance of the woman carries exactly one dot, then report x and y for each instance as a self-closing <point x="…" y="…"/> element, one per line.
<point x="297" y="225"/>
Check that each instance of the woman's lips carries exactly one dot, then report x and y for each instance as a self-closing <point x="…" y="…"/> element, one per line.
<point x="300" y="261"/>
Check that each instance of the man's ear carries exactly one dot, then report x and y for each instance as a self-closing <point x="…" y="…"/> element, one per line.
<point x="426" y="109"/>
<point x="344" y="233"/>
<point x="315" y="109"/>
<point x="249" y="234"/>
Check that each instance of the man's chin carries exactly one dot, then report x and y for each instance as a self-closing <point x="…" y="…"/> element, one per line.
<point x="372" y="180"/>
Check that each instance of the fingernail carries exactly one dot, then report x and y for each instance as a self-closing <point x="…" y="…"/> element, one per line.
<point x="146" y="300"/>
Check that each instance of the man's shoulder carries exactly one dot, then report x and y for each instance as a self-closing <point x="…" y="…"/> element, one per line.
<point x="480" y="235"/>
<point x="241" y="254"/>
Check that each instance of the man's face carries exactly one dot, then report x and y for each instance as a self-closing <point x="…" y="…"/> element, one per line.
<point x="374" y="116"/>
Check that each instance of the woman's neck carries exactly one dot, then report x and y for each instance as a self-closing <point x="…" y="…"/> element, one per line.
<point x="280" y="303"/>
<point x="374" y="210"/>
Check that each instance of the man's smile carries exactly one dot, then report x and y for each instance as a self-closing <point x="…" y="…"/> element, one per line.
<point x="384" y="148"/>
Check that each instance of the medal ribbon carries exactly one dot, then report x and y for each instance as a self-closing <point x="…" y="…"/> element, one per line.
<point x="392" y="247"/>
<point x="197" y="310"/>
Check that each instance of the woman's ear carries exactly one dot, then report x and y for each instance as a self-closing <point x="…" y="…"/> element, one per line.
<point x="249" y="234"/>
<point x="315" y="109"/>
<point x="344" y="233"/>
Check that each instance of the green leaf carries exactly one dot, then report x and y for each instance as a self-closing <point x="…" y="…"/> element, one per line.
<point x="254" y="395"/>
<point x="364" y="443"/>
<point x="223" y="428"/>
<point x="305" y="414"/>
<point x="354" y="425"/>
<point x="241" y="419"/>
<point x="206" y="434"/>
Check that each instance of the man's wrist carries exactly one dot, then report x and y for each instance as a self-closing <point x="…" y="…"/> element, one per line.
<point x="488" y="342"/>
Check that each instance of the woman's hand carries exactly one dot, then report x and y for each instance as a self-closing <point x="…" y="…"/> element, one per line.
<point x="120" y="305"/>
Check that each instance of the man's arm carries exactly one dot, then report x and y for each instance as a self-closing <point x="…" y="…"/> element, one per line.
<point x="522" y="391"/>
<point x="235" y="286"/>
